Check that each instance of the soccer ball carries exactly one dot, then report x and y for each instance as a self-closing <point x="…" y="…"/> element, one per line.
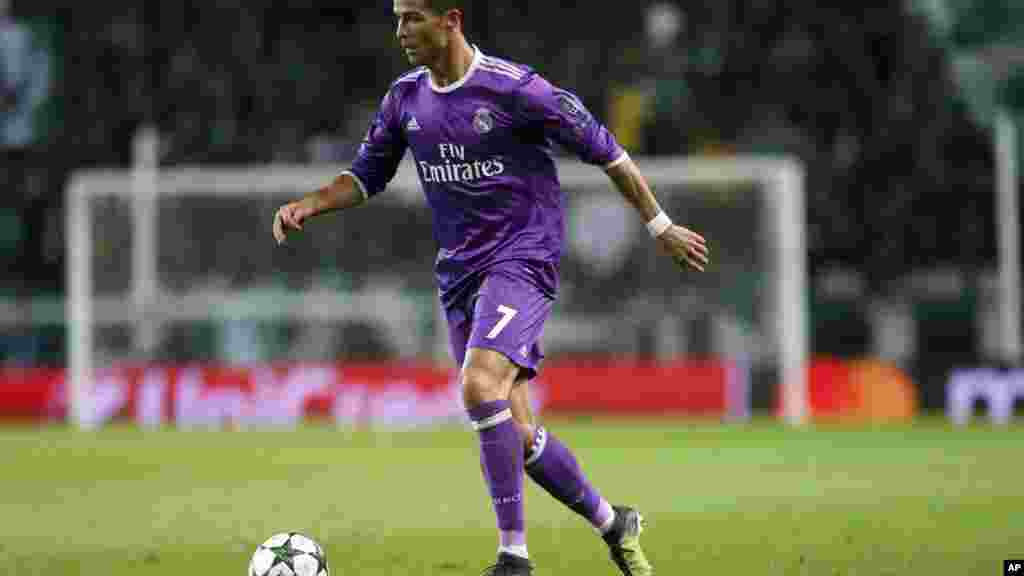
<point x="288" y="554"/>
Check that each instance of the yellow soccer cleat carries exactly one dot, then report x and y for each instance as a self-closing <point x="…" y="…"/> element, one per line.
<point x="623" y="541"/>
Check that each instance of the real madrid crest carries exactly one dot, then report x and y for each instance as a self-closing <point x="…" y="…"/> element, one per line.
<point x="483" y="121"/>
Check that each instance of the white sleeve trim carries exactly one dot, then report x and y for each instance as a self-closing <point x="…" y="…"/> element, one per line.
<point x="362" y="187"/>
<point x="622" y="158"/>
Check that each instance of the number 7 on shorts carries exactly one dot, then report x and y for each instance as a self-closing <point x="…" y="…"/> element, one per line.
<point x="507" y="314"/>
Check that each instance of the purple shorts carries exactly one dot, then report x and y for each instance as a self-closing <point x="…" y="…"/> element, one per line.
<point x="506" y="313"/>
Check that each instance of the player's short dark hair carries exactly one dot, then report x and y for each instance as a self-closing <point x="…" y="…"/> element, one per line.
<point x="442" y="6"/>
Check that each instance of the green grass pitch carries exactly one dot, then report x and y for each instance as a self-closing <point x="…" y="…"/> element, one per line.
<point x="751" y="499"/>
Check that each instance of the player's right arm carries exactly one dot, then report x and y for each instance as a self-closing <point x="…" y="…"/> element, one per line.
<point x="344" y="192"/>
<point x="374" y="166"/>
<point x="567" y="121"/>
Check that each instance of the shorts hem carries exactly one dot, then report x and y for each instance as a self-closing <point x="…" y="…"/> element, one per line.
<point x="531" y="370"/>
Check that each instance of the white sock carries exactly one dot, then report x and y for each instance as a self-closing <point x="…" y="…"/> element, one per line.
<point x="606" y="508"/>
<point x="516" y="550"/>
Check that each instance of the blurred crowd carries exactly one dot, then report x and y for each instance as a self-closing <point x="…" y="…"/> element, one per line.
<point x="862" y="94"/>
<point x="900" y="175"/>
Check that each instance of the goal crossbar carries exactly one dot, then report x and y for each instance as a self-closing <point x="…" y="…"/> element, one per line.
<point x="782" y="179"/>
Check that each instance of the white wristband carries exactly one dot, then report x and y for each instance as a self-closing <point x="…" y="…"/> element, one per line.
<point x="657" y="226"/>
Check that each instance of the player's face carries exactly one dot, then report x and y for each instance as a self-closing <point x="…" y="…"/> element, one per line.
<point x="422" y="33"/>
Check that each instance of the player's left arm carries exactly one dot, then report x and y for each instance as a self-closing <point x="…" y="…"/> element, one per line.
<point x="567" y="121"/>
<point x="685" y="246"/>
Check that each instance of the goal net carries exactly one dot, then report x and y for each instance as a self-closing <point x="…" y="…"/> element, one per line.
<point x="178" y="266"/>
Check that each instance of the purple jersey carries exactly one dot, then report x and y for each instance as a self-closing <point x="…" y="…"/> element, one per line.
<point x="483" y="150"/>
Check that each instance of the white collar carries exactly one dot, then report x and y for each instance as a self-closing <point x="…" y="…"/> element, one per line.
<point x="477" y="56"/>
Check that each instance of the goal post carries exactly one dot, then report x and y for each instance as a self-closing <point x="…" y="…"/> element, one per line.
<point x="152" y="203"/>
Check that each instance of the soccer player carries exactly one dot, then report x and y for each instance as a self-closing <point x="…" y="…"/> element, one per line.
<point x="481" y="131"/>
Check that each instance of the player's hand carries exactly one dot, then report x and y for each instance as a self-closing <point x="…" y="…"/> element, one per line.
<point x="685" y="246"/>
<point x="289" y="217"/>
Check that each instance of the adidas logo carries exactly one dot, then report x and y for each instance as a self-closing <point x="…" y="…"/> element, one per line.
<point x="412" y="125"/>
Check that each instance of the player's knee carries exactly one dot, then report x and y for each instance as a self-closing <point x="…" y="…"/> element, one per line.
<point x="480" y="385"/>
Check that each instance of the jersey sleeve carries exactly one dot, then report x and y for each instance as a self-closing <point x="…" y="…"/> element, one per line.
<point x="381" y="150"/>
<point x="568" y="122"/>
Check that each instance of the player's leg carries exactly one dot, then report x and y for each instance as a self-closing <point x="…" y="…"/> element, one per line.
<point x="482" y="376"/>
<point x="487" y="378"/>
<point x="554" y="468"/>
<point x="508" y="317"/>
<point x="480" y="371"/>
